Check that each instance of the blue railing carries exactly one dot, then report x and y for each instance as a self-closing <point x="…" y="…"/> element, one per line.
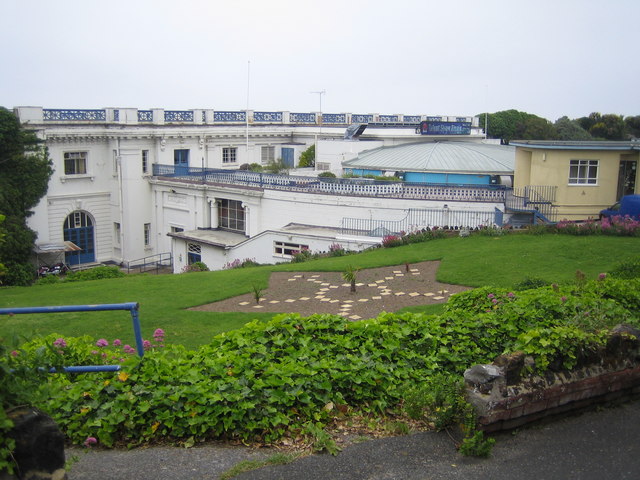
<point x="131" y="307"/>
<point x="335" y="186"/>
<point x="51" y="115"/>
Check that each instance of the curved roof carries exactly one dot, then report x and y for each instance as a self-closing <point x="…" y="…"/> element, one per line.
<point x="452" y="157"/>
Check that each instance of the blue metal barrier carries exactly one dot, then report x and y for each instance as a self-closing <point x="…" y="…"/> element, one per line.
<point x="133" y="307"/>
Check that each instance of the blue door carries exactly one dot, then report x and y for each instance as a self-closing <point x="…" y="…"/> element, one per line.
<point x="287" y="156"/>
<point x="78" y="228"/>
<point x="181" y="161"/>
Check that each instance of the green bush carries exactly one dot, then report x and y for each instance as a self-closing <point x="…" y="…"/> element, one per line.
<point x="97" y="273"/>
<point x="326" y="175"/>
<point x="195" y="267"/>
<point x="627" y="269"/>
<point x="291" y="375"/>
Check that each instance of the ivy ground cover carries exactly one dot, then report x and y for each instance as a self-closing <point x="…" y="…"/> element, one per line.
<point x="292" y="375"/>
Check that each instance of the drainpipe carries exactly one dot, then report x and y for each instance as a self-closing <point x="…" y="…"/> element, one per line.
<point x="121" y="199"/>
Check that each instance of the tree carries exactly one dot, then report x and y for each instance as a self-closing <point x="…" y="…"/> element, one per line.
<point x="608" y="126"/>
<point x="513" y="124"/>
<point x="571" y="130"/>
<point x="308" y="157"/>
<point x="633" y="126"/>
<point x="350" y="275"/>
<point x="25" y="169"/>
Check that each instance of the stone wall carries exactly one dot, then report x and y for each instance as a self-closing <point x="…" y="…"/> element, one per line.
<point x="506" y="396"/>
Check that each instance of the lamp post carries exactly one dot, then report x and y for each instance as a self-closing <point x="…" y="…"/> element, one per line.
<point x="320" y="93"/>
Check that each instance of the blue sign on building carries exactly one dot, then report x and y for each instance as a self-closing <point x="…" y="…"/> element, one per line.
<point x="445" y="128"/>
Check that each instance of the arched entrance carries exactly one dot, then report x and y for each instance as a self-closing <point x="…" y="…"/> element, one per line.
<point x="78" y="228"/>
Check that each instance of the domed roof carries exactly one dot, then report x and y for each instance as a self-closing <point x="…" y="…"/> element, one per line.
<point x="452" y="157"/>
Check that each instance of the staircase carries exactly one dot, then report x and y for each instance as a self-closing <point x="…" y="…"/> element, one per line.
<point x="531" y="205"/>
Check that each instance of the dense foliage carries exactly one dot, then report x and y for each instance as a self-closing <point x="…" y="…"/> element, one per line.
<point x="513" y="124"/>
<point x="293" y="376"/>
<point x="25" y="170"/>
<point x="308" y="157"/>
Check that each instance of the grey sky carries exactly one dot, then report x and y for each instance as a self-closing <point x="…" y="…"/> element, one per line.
<point x="551" y="58"/>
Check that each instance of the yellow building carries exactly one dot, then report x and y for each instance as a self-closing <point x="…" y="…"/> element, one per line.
<point x="574" y="180"/>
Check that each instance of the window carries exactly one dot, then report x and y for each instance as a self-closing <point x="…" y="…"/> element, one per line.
<point x="323" y="166"/>
<point x="115" y="162"/>
<point x="231" y="215"/>
<point x="287" y="250"/>
<point x="194" y="253"/>
<point x="268" y="155"/>
<point x="176" y="229"/>
<point x="117" y="231"/>
<point x="145" y="161"/>
<point x="229" y="154"/>
<point x="583" y="172"/>
<point x="181" y="157"/>
<point x="75" y="163"/>
<point x="147" y="234"/>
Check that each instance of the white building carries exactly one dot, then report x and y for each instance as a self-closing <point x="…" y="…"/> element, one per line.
<point x="132" y="184"/>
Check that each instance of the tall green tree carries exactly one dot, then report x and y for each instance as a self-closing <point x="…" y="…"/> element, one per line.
<point x="633" y="125"/>
<point x="513" y="124"/>
<point x="25" y="170"/>
<point x="571" y="130"/>
<point x="607" y="127"/>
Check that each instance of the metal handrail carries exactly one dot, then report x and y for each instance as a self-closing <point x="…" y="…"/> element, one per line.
<point x="133" y="307"/>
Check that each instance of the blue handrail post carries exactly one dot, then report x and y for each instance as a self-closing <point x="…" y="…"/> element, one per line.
<point x="135" y="318"/>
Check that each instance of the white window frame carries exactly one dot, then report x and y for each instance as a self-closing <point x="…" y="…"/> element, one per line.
<point x="323" y="166"/>
<point x="147" y="234"/>
<point x="145" y="161"/>
<point x="117" y="232"/>
<point x="267" y="154"/>
<point x="229" y="155"/>
<point x="583" y="172"/>
<point x="287" y="249"/>
<point x="79" y="159"/>
<point x="234" y="219"/>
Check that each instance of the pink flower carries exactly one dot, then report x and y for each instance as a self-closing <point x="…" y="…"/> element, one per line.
<point x="128" y="349"/>
<point x="146" y="344"/>
<point x="94" y="352"/>
<point x="59" y="343"/>
<point x="14" y="353"/>
<point x="564" y="299"/>
<point x="494" y="301"/>
<point x="90" y="441"/>
<point x="511" y="295"/>
<point x="602" y="276"/>
<point x="158" y="335"/>
<point x="117" y="342"/>
<point x="491" y="295"/>
<point x="102" y="343"/>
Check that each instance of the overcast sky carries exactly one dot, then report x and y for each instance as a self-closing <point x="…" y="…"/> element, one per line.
<point x="550" y="58"/>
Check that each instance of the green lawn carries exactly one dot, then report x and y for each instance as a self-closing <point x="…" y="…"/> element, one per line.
<point x="474" y="261"/>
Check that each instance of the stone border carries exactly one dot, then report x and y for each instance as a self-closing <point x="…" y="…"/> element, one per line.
<point x="504" y="399"/>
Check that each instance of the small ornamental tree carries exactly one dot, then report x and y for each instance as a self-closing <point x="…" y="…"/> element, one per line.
<point x="308" y="157"/>
<point x="350" y="275"/>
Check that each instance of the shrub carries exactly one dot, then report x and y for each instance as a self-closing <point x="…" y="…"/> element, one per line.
<point x="529" y="283"/>
<point x="390" y="241"/>
<point x="48" y="280"/>
<point x="237" y="263"/>
<point x="97" y="273"/>
<point x="327" y="175"/>
<point x="627" y="269"/>
<point x="302" y="256"/>
<point x="195" y="267"/>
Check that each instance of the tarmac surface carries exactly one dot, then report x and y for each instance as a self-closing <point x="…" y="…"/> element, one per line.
<point x="599" y="444"/>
